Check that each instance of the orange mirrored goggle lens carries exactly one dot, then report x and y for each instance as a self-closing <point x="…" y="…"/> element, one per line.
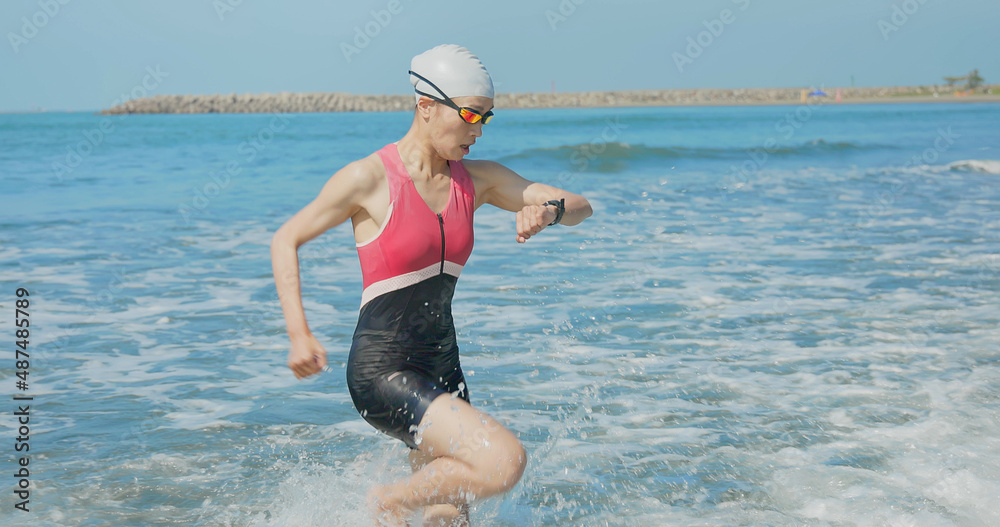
<point x="473" y="117"/>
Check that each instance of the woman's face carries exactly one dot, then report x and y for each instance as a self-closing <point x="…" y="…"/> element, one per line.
<point x="451" y="136"/>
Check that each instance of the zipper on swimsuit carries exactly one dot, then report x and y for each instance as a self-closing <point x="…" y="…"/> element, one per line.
<point x="441" y="223"/>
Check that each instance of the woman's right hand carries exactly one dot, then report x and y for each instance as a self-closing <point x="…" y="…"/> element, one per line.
<point x="306" y="357"/>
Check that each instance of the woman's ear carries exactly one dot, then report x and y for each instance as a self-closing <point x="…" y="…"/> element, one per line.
<point x="424" y="106"/>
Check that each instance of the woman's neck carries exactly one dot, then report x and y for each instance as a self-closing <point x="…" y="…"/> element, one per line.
<point x="420" y="157"/>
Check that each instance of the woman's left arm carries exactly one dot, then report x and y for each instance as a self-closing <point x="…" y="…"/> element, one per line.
<point x="504" y="188"/>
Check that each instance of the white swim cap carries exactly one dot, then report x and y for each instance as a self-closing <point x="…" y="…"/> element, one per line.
<point x="453" y="69"/>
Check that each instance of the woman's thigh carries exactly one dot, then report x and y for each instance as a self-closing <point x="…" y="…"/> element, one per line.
<point x="452" y="427"/>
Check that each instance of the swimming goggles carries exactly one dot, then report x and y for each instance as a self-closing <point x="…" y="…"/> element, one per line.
<point x="467" y="114"/>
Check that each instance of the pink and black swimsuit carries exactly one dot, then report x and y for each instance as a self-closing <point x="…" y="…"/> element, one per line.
<point x="404" y="353"/>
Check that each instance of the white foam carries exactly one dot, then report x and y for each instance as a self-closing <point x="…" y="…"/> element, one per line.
<point x="989" y="166"/>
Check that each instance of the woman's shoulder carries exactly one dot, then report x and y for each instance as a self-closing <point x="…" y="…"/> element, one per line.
<point x="364" y="173"/>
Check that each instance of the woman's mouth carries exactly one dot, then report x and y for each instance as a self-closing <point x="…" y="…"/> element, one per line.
<point x="465" y="149"/>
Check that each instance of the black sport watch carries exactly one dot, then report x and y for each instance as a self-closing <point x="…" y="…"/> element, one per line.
<point x="560" y="208"/>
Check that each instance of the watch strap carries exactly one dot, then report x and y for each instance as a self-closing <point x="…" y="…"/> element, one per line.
<point x="560" y="208"/>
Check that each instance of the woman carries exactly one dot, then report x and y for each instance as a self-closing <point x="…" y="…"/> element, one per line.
<point x="411" y="204"/>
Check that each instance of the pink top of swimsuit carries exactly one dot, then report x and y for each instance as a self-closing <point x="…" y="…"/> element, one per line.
<point x="415" y="243"/>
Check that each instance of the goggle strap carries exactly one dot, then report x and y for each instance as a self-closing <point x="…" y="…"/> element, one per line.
<point x="429" y="95"/>
<point x="421" y="77"/>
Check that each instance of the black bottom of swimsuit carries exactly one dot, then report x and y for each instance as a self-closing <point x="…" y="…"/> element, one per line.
<point x="404" y="355"/>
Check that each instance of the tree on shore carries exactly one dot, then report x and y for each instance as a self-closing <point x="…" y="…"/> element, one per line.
<point x="972" y="80"/>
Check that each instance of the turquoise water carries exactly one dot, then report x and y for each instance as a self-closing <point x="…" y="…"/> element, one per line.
<point x="799" y="335"/>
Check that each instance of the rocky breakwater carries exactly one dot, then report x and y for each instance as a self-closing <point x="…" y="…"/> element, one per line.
<point x="286" y="102"/>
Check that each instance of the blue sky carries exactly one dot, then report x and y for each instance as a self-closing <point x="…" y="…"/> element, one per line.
<point x="85" y="54"/>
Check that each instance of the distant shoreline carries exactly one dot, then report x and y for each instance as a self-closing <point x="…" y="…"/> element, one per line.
<point x="286" y="102"/>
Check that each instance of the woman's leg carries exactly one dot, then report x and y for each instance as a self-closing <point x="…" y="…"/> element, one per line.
<point x="442" y="514"/>
<point x="474" y="457"/>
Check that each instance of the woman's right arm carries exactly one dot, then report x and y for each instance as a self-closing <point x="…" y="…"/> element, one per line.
<point x="337" y="202"/>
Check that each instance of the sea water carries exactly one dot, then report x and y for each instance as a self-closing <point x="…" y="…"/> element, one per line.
<point x="780" y="315"/>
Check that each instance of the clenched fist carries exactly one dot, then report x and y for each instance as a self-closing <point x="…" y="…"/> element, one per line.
<point x="306" y="357"/>
<point x="532" y="219"/>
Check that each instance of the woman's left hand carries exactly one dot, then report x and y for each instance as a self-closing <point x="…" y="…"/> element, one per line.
<point x="532" y="219"/>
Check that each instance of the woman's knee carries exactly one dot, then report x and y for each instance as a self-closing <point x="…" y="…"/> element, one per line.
<point x="518" y="462"/>
<point x="504" y="469"/>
